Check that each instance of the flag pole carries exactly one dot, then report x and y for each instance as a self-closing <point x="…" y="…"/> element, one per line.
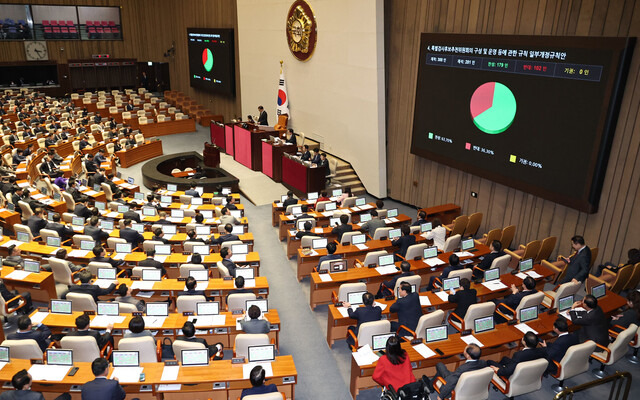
<point x="281" y="66"/>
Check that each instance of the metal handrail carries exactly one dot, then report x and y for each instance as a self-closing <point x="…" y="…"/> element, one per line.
<point x="618" y="379"/>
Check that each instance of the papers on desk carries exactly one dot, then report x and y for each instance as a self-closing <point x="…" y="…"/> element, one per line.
<point x="42" y="372"/>
<point x="344" y="311"/>
<point x="12" y="242"/>
<point x="23" y="184"/>
<point x="365" y="356"/>
<point x="112" y="214"/>
<point x="387" y="269"/>
<point x="567" y="315"/>
<point x="38" y="317"/>
<point x="524" y="328"/>
<point x="311" y="202"/>
<point x="202" y="285"/>
<point x="327" y="213"/>
<point x="160" y="258"/>
<point x="433" y="261"/>
<point x="366" y="207"/>
<point x="444" y="296"/>
<point x="424" y="351"/>
<point x="208" y="320"/>
<point x="142" y="285"/>
<point x="153" y="322"/>
<point x="91" y="192"/>
<point x="381" y="305"/>
<point x="126" y="374"/>
<point x="534" y="274"/>
<point x="246" y="369"/>
<point x="37" y="196"/>
<point x="521" y="275"/>
<point x="238" y="257"/>
<point x="290" y="217"/>
<point x="101" y="321"/>
<point x="390" y="220"/>
<point x="463" y="254"/>
<point x="18" y="275"/>
<point x="354" y="209"/>
<point x="318" y="230"/>
<point x="146" y="295"/>
<point x="103" y="283"/>
<point x="170" y="373"/>
<point x="325" y="277"/>
<point x="362" y="246"/>
<point x="313" y="253"/>
<point x="279" y="204"/>
<point x="174" y="219"/>
<point x="469" y="339"/>
<point x="2" y="364"/>
<point x="494" y="285"/>
<point x="78" y="253"/>
<point x="424" y="301"/>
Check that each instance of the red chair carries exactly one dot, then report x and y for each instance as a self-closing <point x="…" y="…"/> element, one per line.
<point x="91" y="31"/>
<point x="62" y="23"/>
<point x="112" y="23"/>
<point x="104" y="23"/>
<point x="89" y="23"/>
<point x="70" y="23"/>
<point x="107" y="30"/>
<point x="47" y="32"/>
<point x="54" y="23"/>
<point x="64" y="31"/>
<point x="45" y="22"/>
<point x="96" y="23"/>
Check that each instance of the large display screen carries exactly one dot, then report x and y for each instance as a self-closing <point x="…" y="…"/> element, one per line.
<point x="535" y="113"/>
<point x="212" y="60"/>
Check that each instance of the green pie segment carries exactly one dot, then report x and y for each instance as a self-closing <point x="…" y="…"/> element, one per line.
<point x="207" y="59"/>
<point x="498" y="109"/>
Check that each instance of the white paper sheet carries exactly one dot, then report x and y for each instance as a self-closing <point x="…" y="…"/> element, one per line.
<point x="249" y="283"/>
<point x="119" y="256"/>
<point x="424" y="350"/>
<point x="78" y="253"/>
<point x="386" y="270"/>
<point x="101" y="321"/>
<point x="365" y="356"/>
<point x="366" y="207"/>
<point x="142" y="285"/>
<point x="112" y="214"/>
<point x="433" y="261"/>
<point x="463" y="254"/>
<point x="327" y="213"/>
<point x="443" y="295"/>
<point x="494" y="285"/>
<point x="170" y="373"/>
<point x="524" y="328"/>
<point x="153" y="322"/>
<point x="471" y="339"/>
<point x="318" y="230"/>
<point x="534" y="274"/>
<point x="126" y="374"/>
<point x="160" y="258"/>
<point x="169" y="387"/>
<point x="362" y="246"/>
<point x="343" y="311"/>
<point x="18" y="275"/>
<point x="424" y="301"/>
<point x="54" y="373"/>
<point x="12" y="242"/>
<point x="521" y="275"/>
<point x="103" y="283"/>
<point x="2" y="364"/>
<point x="208" y="320"/>
<point x="246" y="369"/>
<point x="38" y="317"/>
<point x="239" y="257"/>
<point x="146" y="295"/>
<point x="325" y="277"/>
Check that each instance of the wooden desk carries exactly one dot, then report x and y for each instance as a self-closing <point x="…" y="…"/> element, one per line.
<point x="141" y="152"/>
<point x="248" y="146"/>
<point x="8" y="219"/>
<point x="272" y="158"/>
<point x="445" y="212"/>
<point x="302" y="179"/>
<point x="40" y="285"/>
<point x="216" y="132"/>
<point x="168" y="127"/>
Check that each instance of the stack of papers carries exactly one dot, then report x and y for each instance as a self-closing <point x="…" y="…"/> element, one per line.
<point x="208" y="320"/>
<point x="443" y="295"/>
<point x="344" y="311"/>
<point x="18" y="275"/>
<point x="524" y="328"/>
<point x="534" y="274"/>
<point x="170" y="373"/>
<point x="365" y="356"/>
<point x="153" y="322"/>
<point x="38" y="317"/>
<point x="471" y="339"/>
<point x="101" y="321"/>
<point x="325" y="277"/>
<point x="521" y="275"/>
<point x="387" y="269"/>
<point x="160" y="258"/>
<point x="55" y="373"/>
<point x="366" y="207"/>
<point x="424" y="351"/>
<point x="127" y="374"/>
<point x="566" y="314"/>
<point x="381" y="305"/>
<point x="433" y="261"/>
<point x="424" y="301"/>
<point x="362" y="246"/>
<point x="494" y="285"/>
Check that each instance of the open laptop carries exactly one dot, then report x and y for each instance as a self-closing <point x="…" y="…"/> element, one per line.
<point x="106" y="225"/>
<point x="331" y="206"/>
<point x="296" y="210"/>
<point x="177" y="214"/>
<point x="392" y="213"/>
<point x="54" y="241"/>
<point x="130" y="180"/>
<point x="300" y="225"/>
<point x="365" y="218"/>
<point x="483" y="324"/>
<point x="151" y="274"/>
<point x="123" y="209"/>
<point x="207" y="308"/>
<point x="565" y="303"/>
<point x="238" y="230"/>
<point x="77" y="221"/>
<point x="206" y="214"/>
<point x="283" y="198"/>
<point x="169" y="230"/>
<point x="226" y="191"/>
<point x="60" y="306"/>
<point x="4" y="354"/>
<point x="358" y="239"/>
<point x="59" y="357"/>
<point x="467" y="245"/>
<point x="525" y="265"/>
<point x="196" y="201"/>
<point x="87" y="245"/>
<point x="246" y="273"/>
<point x="426" y="227"/>
<point x="123" y="248"/>
<point x="385" y="260"/>
<point x="430" y="252"/>
<point x="100" y="205"/>
<point x="138" y="196"/>
<point x="599" y="291"/>
<point x="138" y="227"/>
<point x="336" y="192"/>
<point x="355" y="298"/>
<point x="436" y="333"/>
<point x="22" y="236"/>
<point x="338" y="266"/>
<point x="312" y="196"/>
<point x="166" y="199"/>
<point x="238" y="249"/>
<point x="125" y="358"/>
<point x="202" y="249"/>
<point x="334" y="221"/>
<point x="107" y="273"/>
<point x="395" y="233"/>
<point x="263" y="304"/>
<point x="199" y="275"/>
<point x="194" y="357"/>
<point x="319" y="243"/>
<point x="379" y="342"/>
<point x="451" y="283"/>
<point x="162" y="249"/>
<point x="108" y="308"/>
<point x="492" y="274"/>
<point x="172" y="188"/>
<point x="31" y="266"/>
<point x="262" y="353"/>
<point x="157" y="309"/>
<point x="148" y="211"/>
<point x="528" y="314"/>
<point x="361" y="201"/>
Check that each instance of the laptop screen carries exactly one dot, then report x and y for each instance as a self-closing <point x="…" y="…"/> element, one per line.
<point x="319" y="243"/>
<point x="203" y="230"/>
<point x="312" y="196"/>
<point x="59" y="357"/>
<point x="4" y="354"/>
<point x="53" y="241"/>
<point x="87" y="244"/>
<point x="265" y="352"/>
<point x="436" y="333"/>
<point x="206" y="214"/>
<point x="151" y="274"/>
<point x="379" y="342"/>
<point x="22" y="237"/>
<point x="100" y="205"/>
<point x="196" y="201"/>
<point x="246" y="273"/>
<point x="451" y="283"/>
<point x="138" y="196"/>
<point x="355" y="298"/>
<point x="177" y="213"/>
<point x="199" y="275"/>
<point x="202" y="249"/>
<point x="123" y="248"/>
<point x="137" y="227"/>
<point x="162" y="249"/>
<point x="77" y="221"/>
<point x="283" y="198"/>
<point x="238" y="230"/>
<point x="107" y="273"/>
<point x="263" y="305"/>
<point x="336" y="192"/>
<point x="172" y="188"/>
<point x="301" y="225"/>
<point x="297" y="210"/>
<point x="194" y="357"/>
<point x="130" y="180"/>
<point x="106" y="225"/>
<point x="148" y="211"/>
<point x="392" y="212"/>
<point x="208" y="308"/>
<point x="123" y="209"/>
<point x="166" y="199"/>
<point x="226" y="191"/>
<point x="338" y="266"/>
<point x="333" y="221"/>
<point x="157" y="309"/>
<point x="467" y="244"/>
<point x="528" y="314"/>
<point x="394" y="233"/>
<point x="60" y="306"/>
<point x="430" y="252"/>
<point x="96" y="187"/>
<point x="386" y="259"/>
<point x="599" y="291"/>
<point x="125" y="358"/>
<point x="169" y="229"/>
<point x="240" y="248"/>
<point x="360" y="201"/>
<point x="414" y="289"/>
<point x="31" y="266"/>
<point x="365" y="218"/>
<point x="330" y="206"/>
<point x="483" y="324"/>
<point x="491" y="274"/>
<point x="108" y="308"/>
<point x="426" y="227"/>
<point x="526" y="265"/>
<point x="565" y="303"/>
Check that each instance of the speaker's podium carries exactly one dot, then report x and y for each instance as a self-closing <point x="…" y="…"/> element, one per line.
<point x="247" y="144"/>
<point x="211" y="155"/>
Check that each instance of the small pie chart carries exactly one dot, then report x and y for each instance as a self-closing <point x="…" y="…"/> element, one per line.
<point x="493" y="107"/>
<point x="207" y="59"/>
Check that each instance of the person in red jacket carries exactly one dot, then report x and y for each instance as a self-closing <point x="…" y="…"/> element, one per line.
<point x="394" y="367"/>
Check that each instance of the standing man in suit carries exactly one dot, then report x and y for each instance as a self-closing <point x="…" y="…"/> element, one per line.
<point x="36" y="222"/>
<point x="364" y="314"/>
<point x="454" y="265"/>
<point x="507" y="365"/>
<point x="513" y="300"/>
<point x="408" y="308"/>
<point x="130" y="235"/>
<point x="82" y="329"/>
<point x="485" y="264"/>
<point x="463" y="298"/>
<point x="595" y="324"/>
<point x="94" y="230"/>
<point x="403" y="242"/>
<point x="85" y="287"/>
<point x="42" y="334"/>
<point x="102" y="388"/>
<point x="558" y="348"/>
<point x="342" y="228"/>
<point x="472" y="354"/>
<point x="262" y="117"/>
<point x="578" y="264"/>
<point x="22" y="381"/>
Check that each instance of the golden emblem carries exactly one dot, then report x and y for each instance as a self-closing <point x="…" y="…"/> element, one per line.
<point x="301" y="30"/>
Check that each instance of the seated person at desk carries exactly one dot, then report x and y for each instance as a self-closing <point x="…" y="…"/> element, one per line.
<point x="192" y="191"/>
<point x="632" y="313"/>
<point x="633" y="258"/>
<point x="226" y="254"/>
<point x="117" y="198"/>
<point x="472" y="353"/>
<point x="85" y="287"/>
<point x="100" y="256"/>
<point x="102" y="388"/>
<point x="9" y="296"/>
<point x="42" y="334"/>
<point x="422" y="219"/>
<point x="49" y="168"/>
<point x="345" y="194"/>
<point x="291" y="137"/>
<point x="95" y="231"/>
<point x="324" y="196"/>
<point x="82" y="329"/>
<point x="239" y="284"/>
<point x="152" y="201"/>
<point x="63" y="231"/>
<point x="403" y="242"/>
<point x="36" y="222"/>
<point x="394" y="367"/>
<point x="189" y="335"/>
<point x="556" y="350"/>
<point x="231" y="203"/>
<point x="227" y="218"/>
<point x="386" y="287"/>
<point x="136" y="328"/>
<point x="342" y="228"/>
<point x="408" y="308"/>
<point x="507" y="365"/>
<point x="130" y="235"/>
<point x="256" y="377"/>
<point x="72" y="189"/>
<point x="83" y="143"/>
<point x="463" y="298"/>
<point x="304" y="215"/>
<point x="438" y="234"/>
<point x="193" y="237"/>
<point x="364" y="314"/>
<point x="255" y="324"/>
<point x="331" y="249"/>
<point x="22" y="381"/>
<point x="315" y="159"/>
<point x="290" y="200"/>
<point x="81" y="210"/>
<point x="99" y="158"/>
<point x="594" y="323"/>
<point x="513" y="300"/>
<point x="226" y="237"/>
<point x="373" y="224"/>
<point x="61" y="255"/>
<point x="306" y="154"/>
<point x="191" y="284"/>
<point x="15" y="257"/>
<point x="324" y="163"/>
<point x="307" y="231"/>
<point x="18" y="157"/>
<point x="90" y="164"/>
<point x="151" y="262"/>
<point x="454" y="265"/>
<point x="123" y="295"/>
<point x="485" y="264"/>
<point x="132" y="214"/>
<point x="162" y="219"/>
<point x="158" y="235"/>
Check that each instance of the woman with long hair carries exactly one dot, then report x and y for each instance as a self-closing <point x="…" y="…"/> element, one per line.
<point x="394" y="367"/>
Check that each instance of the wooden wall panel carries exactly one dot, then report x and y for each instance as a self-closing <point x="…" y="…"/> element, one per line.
<point x="612" y="229"/>
<point x="149" y="28"/>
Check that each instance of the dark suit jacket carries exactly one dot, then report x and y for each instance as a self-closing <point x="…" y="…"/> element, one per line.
<point x="316" y="159"/>
<point x="131" y="236"/>
<point x="48" y="168"/>
<point x="96" y="233"/>
<point x="595" y="325"/>
<point x="513" y="300"/>
<point x="557" y="349"/>
<point x="419" y="222"/>
<point x="486" y="262"/>
<point x="82" y="211"/>
<point x="325" y="164"/>
<point x="63" y="231"/>
<point x="507" y="368"/>
<point x="21" y="395"/>
<point x="452" y="379"/>
<point x="341" y="230"/>
<point x="463" y="299"/>
<point x="365" y="314"/>
<point x="262" y="118"/>
<point x="90" y="166"/>
<point x="259" y="390"/>
<point x="391" y="283"/>
<point x="132" y="215"/>
<point x="408" y="309"/>
<point x="191" y="192"/>
<point x="225" y="238"/>
<point x="328" y="257"/>
<point x="93" y="290"/>
<point x="306" y="156"/>
<point x="150" y="262"/>
<point x="578" y="267"/>
<point x="103" y="389"/>
<point x="403" y="242"/>
<point x="100" y="339"/>
<point x="160" y="239"/>
<point x="162" y="221"/>
<point x="41" y="336"/>
<point x="289" y="202"/>
<point x="231" y="266"/>
<point x="36" y="223"/>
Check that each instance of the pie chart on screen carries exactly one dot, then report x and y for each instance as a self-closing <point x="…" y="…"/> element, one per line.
<point x="207" y="59"/>
<point x="493" y="107"/>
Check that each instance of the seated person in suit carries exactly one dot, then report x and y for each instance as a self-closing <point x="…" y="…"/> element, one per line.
<point x="226" y="237"/>
<point x="9" y="295"/>
<point x="83" y="143"/>
<point x="100" y="256"/>
<point x="18" y="157"/>
<point x="226" y="254"/>
<point x="579" y="262"/>
<point x="82" y="210"/>
<point x="239" y="284"/>
<point x="306" y="232"/>
<point x="102" y="388"/>
<point x="136" y="328"/>
<point x="158" y="235"/>
<point x="191" y="285"/>
<point x="63" y="231"/>
<point x="192" y="191"/>
<point x="227" y="218"/>
<point x="151" y="262"/>
<point x="193" y="237"/>
<point x="14" y="258"/>
<point x="513" y="300"/>
<point x="472" y="354"/>
<point x="373" y="224"/>
<point x="485" y="264"/>
<point x="408" y="308"/>
<point x="632" y="313"/>
<point x="255" y="324"/>
<point x="386" y="287"/>
<point x="189" y="335"/>
<point x="463" y="298"/>
<point x="132" y="215"/>
<point x="556" y="350"/>
<point x="507" y="365"/>
<point x="315" y="159"/>
<point x="162" y="219"/>
<point x="61" y="254"/>
<point x="22" y="381"/>
<point x="633" y="258"/>
<point x="438" y="234"/>
<point x="123" y="295"/>
<point x="86" y="287"/>
<point x="594" y="323"/>
<point x="331" y="249"/>
<point x="42" y="334"/>
<point x="36" y="222"/>
<point x="306" y="154"/>
<point x="454" y="265"/>
<point x="82" y="329"/>
<point x="422" y="219"/>
<point x="99" y="158"/>
<point x="342" y="228"/>
<point x="394" y="367"/>
<point x="94" y="230"/>
<point x="231" y="203"/>
<point x="324" y="163"/>
<point x="304" y="215"/>
<point x="90" y="165"/>
<point x="403" y="242"/>
<point x="130" y="235"/>
<point x="291" y="137"/>
<point x="49" y="168"/>
<point x="290" y="200"/>
<point x="364" y="314"/>
<point x="152" y="201"/>
<point x="256" y="377"/>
